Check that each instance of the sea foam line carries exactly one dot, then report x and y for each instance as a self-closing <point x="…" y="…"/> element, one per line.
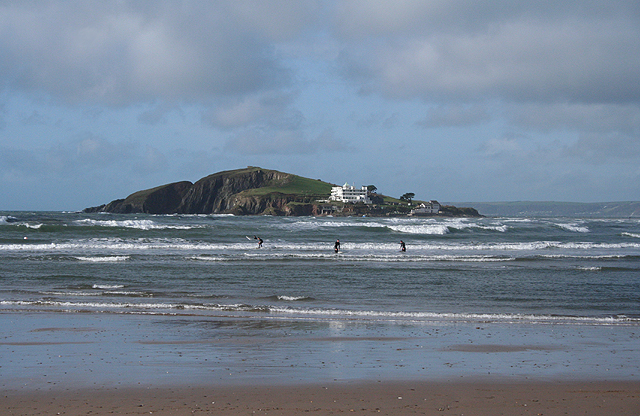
<point x="138" y="224"/>
<point x="102" y="259"/>
<point x="417" y="317"/>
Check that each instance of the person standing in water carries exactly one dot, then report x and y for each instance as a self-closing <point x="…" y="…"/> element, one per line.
<point x="336" y="246"/>
<point x="403" y="247"/>
<point x="259" y="241"/>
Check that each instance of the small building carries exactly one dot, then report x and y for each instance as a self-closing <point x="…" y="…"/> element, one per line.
<point x="349" y="193"/>
<point x="428" y="208"/>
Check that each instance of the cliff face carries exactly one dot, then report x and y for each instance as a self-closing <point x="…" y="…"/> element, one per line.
<point x="217" y="193"/>
<point x="223" y="192"/>
<point x="164" y="199"/>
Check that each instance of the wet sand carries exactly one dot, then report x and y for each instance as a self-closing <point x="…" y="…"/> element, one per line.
<point x="397" y="398"/>
<point x="63" y="364"/>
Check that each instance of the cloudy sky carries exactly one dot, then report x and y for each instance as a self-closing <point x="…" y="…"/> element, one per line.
<point x="499" y="100"/>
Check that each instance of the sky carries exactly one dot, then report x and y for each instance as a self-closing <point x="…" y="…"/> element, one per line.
<point x="501" y="100"/>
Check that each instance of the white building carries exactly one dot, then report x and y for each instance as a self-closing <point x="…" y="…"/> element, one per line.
<point x="431" y="207"/>
<point x="349" y="193"/>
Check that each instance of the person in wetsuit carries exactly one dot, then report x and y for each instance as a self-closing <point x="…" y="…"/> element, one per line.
<point x="259" y="241"/>
<point x="403" y="247"/>
<point x="336" y="246"/>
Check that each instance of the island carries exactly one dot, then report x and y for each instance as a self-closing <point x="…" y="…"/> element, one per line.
<point x="257" y="191"/>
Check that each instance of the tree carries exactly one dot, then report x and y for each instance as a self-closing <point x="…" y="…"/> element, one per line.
<point x="408" y="197"/>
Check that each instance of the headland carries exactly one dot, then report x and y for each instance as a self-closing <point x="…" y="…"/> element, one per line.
<point x="258" y="191"/>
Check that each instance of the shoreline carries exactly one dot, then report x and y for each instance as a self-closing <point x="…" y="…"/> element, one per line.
<point x="50" y="351"/>
<point x="388" y="398"/>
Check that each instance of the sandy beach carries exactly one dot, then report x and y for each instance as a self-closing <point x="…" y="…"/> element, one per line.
<point x="398" y="398"/>
<point x="87" y="365"/>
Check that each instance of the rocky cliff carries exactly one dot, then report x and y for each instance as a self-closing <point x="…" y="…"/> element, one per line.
<point x="247" y="191"/>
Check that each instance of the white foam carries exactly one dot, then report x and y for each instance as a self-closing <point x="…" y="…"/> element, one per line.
<point x="208" y="258"/>
<point x="632" y="235"/>
<point x="389" y="316"/>
<point x="4" y="219"/>
<point x="98" y="286"/>
<point x="429" y="229"/>
<point x="590" y="269"/>
<point x="574" y="226"/>
<point x="138" y="224"/>
<point x="101" y="259"/>
<point x="292" y="298"/>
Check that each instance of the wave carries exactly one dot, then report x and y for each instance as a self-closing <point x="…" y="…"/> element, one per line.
<point x="208" y="258"/>
<point x="258" y="311"/>
<point x="290" y="298"/>
<point x="120" y="249"/>
<point x="103" y="259"/>
<point x="7" y="219"/>
<point x="137" y="224"/>
<point x="574" y="226"/>
<point x="430" y="226"/>
<point x="429" y="229"/>
<point x="98" y="286"/>
<point x="378" y="257"/>
<point x="632" y="235"/>
<point x="589" y="268"/>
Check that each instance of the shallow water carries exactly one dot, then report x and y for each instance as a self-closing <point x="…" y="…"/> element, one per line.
<point x="174" y="291"/>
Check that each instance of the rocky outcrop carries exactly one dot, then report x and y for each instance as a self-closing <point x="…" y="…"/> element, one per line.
<point x="222" y="192"/>
<point x="217" y="193"/>
<point x="451" y="211"/>
<point x="164" y="199"/>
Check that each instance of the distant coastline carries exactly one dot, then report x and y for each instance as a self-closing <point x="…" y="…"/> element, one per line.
<point x="619" y="209"/>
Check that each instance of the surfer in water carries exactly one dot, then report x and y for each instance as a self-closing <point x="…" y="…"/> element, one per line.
<point x="336" y="246"/>
<point x="259" y="241"/>
<point x="403" y="247"/>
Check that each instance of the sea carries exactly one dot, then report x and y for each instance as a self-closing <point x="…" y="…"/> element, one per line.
<point x="200" y="288"/>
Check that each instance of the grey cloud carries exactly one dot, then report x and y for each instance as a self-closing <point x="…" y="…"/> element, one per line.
<point x="375" y="18"/>
<point x="3" y="111"/>
<point x="455" y="116"/>
<point x="598" y="118"/>
<point x="605" y="148"/>
<point x="509" y="146"/>
<point x="284" y="142"/>
<point x="120" y="53"/>
<point x="265" y="109"/>
<point x="159" y="113"/>
<point x="151" y="160"/>
<point x="35" y="118"/>
<point x="524" y="53"/>
<point x="85" y="153"/>
<point x="391" y="121"/>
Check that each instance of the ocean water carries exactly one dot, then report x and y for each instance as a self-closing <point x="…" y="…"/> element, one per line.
<point x="186" y="289"/>
<point x="455" y="269"/>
